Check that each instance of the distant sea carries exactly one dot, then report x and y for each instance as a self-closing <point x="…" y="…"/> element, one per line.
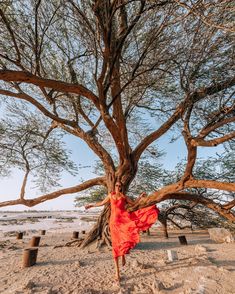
<point x="53" y="221"/>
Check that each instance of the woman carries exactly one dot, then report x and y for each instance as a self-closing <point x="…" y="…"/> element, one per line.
<point x="125" y="226"/>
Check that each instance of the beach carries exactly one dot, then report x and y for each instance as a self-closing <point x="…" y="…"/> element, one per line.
<point x="202" y="266"/>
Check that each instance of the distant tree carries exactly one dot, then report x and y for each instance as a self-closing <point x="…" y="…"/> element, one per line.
<point x="119" y="75"/>
<point x="28" y="143"/>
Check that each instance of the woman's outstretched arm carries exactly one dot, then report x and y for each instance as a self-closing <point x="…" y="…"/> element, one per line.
<point x="97" y="204"/>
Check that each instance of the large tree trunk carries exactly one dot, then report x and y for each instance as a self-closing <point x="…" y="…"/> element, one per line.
<point x="100" y="231"/>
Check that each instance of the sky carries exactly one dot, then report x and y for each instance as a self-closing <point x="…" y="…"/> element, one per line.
<point x="81" y="154"/>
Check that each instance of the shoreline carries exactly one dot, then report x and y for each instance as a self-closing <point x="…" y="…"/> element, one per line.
<point x="56" y="221"/>
<point x="53" y="222"/>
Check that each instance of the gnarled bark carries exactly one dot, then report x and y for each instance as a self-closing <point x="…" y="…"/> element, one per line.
<point x="99" y="231"/>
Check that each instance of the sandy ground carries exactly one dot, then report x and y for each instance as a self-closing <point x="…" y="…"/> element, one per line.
<point x="203" y="267"/>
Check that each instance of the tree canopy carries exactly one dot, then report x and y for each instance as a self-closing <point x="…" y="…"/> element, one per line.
<point x="120" y="75"/>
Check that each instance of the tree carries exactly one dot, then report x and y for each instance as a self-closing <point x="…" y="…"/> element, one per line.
<point x="103" y="70"/>
<point x="192" y="216"/>
<point x="28" y="143"/>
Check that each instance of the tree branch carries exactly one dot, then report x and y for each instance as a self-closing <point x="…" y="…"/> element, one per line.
<point x="177" y="225"/>
<point x="212" y="89"/>
<point x="38" y="105"/>
<point x="211" y="143"/>
<point x="158" y="133"/>
<point x="172" y="192"/>
<point x="206" y="130"/>
<point x="193" y="97"/>
<point x="93" y="143"/>
<point x="32" y="202"/>
<point x="229" y="205"/>
<point x="204" y="19"/>
<point x="28" y="78"/>
<point x="12" y="37"/>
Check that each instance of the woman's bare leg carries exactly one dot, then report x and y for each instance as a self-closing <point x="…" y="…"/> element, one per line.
<point x="117" y="269"/>
<point x="123" y="260"/>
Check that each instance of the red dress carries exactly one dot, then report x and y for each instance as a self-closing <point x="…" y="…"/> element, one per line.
<point x="125" y="226"/>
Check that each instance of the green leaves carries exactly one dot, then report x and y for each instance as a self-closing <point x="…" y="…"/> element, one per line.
<point x="28" y="143"/>
<point x="92" y="195"/>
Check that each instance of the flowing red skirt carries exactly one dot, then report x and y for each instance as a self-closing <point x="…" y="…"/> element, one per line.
<point x="125" y="226"/>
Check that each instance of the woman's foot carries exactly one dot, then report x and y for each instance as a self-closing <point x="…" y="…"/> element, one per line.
<point x="123" y="260"/>
<point x="117" y="279"/>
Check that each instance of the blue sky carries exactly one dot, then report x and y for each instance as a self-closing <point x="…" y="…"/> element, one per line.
<point x="82" y="155"/>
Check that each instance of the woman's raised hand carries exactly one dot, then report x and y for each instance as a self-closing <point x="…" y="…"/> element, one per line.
<point x="89" y="206"/>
